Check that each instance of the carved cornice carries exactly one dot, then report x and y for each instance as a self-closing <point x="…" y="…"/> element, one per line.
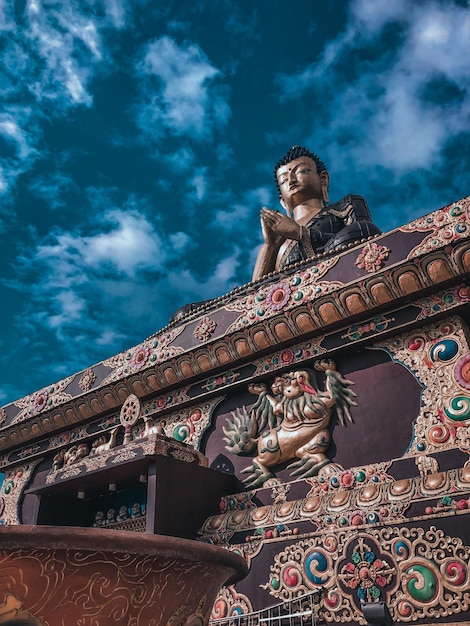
<point x="385" y="502"/>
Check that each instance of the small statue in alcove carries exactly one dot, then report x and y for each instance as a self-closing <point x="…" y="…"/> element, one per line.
<point x="136" y="510"/>
<point x="99" y="519"/>
<point x="75" y="453"/>
<point x="294" y="423"/>
<point x="111" y="516"/>
<point x="58" y="460"/>
<point x="122" y="514"/>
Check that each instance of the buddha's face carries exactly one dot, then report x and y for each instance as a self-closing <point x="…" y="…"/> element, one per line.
<point x="299" y="181"/>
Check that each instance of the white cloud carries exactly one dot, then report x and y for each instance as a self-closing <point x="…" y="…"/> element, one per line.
<point x="232" y="218"/>
<point x="67" y="43"/>
<point x="129" y="245"/>
<point x="118" y="13"/>
<point x="132" y="245"/>
<point x="7" y="20"/>
<point x="382" y="117"/>
<point x="179" y="241"/>
<point x="55" y="188"/>
<point x="71" y="308"/>
<point x="180" y="93"/>
<point x="236" y="216"/>
<point x="49" y="60"/>
<point x="219" y="282"/>
<point x="199" y="184"/>
<point x="115" y="281"/>
<point x="371" y="16"/>
<point x="10" y="130"/>
<point x="71" y="271"/>
<point x="3" y="182"/>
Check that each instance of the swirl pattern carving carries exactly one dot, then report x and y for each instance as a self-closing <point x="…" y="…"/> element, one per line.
<point x="419" y="573"/>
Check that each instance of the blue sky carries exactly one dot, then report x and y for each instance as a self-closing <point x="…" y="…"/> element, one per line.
<point x="137" y="140"/>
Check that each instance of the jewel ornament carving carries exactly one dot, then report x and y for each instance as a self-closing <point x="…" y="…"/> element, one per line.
<point x="229" y="603"/>
<point x="268" y="300"/>
<point x="42" y="400"/>
<point x="151" y="352"/>
<point x="445" y="301"/>
<point x="437" y="357"/>
<point x="188" y="426"/>
<point x="446" y="225"/>
<point x="361" y="497"/>
<point x="11" y="491"/>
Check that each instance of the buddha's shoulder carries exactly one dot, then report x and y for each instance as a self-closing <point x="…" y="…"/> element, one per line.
<point x="351" y="204"/>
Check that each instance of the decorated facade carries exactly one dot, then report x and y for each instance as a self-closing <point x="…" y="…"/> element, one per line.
<point x="316" y="421"/>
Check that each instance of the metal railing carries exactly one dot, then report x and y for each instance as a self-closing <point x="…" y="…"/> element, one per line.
<point x="300" y="611"/>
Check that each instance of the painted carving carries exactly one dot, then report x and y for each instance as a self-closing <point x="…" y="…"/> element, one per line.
<point x="11" y="492"/>
<point x="99" y="519"/>
<point x="267" y="300"/>
<point x="205" y="329"/>
<point x="375" y="325"/>
<point x="447" y="225"/>
<point x="297" y="419"/>
<point x="372" y="257"/>
<point x="130" y="411"/>
<point x="151" y="428"/>
<point x="426" y="465"/>
<point x="400" y="566"/>
<point x="129" y="414"/>
<point x="434" y="355"/>
<point x="75" y="453"/>
<point x="440" y="302"/>
<point x="152" y="352"/>
<point x="58" y="460"/>
<point x="123" y="514"/>
<point x="42" y="400"/>
<point x="189" y="425"/>
<point x="229" y="603"/>
<point x="103" y="445"/>
<point x="88" y="379"/>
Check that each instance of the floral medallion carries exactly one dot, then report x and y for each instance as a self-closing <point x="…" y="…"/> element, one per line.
<point x="372" y="257"/>
<point x="40" y="401"/>
<point x="205" y="329"/>
<point x="462" y="371"/>
<point x="140" y="356"/>
<point x="278" y="296"/>
<point x="87" y="380"/>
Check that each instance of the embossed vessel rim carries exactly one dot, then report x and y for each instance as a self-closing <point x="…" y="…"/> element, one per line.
<point x="52" y="538"/>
